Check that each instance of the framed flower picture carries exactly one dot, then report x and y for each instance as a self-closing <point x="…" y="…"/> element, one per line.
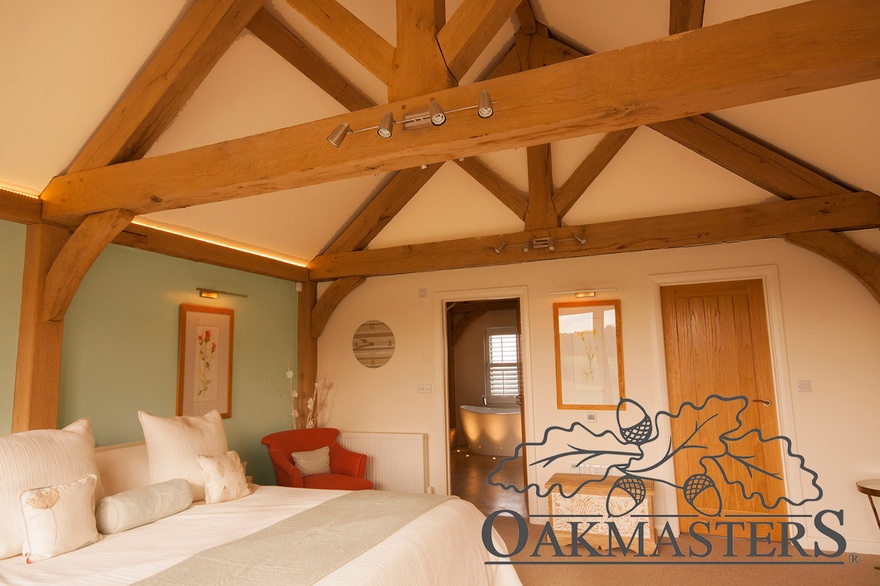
<point x="204" y="360"/>
<point x="589" y="354"/>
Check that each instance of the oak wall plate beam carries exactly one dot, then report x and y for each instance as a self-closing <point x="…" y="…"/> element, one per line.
<point x="349" y="32"/>
<point x="280" y="39"/>
<point x="76" y="258"/>
<point x="815" y="45"/>
<point x="19" y="208"/>
<point x="769" y="220"/>
<point x="167" y="82"/>
<point x="169" y="244"/>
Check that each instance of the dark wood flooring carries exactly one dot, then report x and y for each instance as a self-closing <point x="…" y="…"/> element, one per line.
<point x="470" y="474"/>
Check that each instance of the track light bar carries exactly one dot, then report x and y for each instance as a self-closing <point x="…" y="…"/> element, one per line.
<point x="435" y="114"/>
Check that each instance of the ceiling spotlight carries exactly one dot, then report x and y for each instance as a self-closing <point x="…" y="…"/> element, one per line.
<point x="337" y="136"/>
<point x="551" y="245"/>
<point x="484" y="107"/>
<point x="500" y="248"/>
<point x="581" y="240"/>
<point x="386" y="126"/>
<point x="527" y="247"/>
<point x="438" y="116"/>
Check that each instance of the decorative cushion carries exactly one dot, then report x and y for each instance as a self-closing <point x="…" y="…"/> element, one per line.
<point x="224" y="478"/>
<point x="58" y="519"/>
<point x="33" y="459"/>
<point x="313" y="462"/>
<point x="139" y="506"/>
<point x="175" y="443"/>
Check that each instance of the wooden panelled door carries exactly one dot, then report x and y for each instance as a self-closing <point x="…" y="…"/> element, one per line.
<point x="717" y="342"/>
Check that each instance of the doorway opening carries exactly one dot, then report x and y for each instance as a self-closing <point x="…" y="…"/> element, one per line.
<point x="484" y="400"/>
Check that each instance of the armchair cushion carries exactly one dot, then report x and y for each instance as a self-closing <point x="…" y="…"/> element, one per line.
<point x="313" y="461"/>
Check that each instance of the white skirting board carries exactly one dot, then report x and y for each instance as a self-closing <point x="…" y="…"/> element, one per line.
<point x="396" y="462"/>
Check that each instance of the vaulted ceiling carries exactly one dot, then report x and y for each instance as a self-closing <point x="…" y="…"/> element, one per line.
<point x="577" y="148"/>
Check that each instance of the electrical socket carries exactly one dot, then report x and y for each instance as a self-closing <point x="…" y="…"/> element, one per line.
<point x="598" y="469"/>
<point x="573" y="469"/>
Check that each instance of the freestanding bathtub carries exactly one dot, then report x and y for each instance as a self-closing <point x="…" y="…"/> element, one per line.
<point x="491" y="431"/>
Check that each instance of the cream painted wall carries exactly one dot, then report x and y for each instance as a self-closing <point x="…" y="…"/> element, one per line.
<point x="826" y="329"/>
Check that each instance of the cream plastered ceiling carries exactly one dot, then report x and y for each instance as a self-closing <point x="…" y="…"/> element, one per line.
<point x="64" y="64"/>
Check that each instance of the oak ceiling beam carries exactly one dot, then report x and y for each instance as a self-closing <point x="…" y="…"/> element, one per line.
<point x="418" y="66"/>
<point x="15" y="207"/>
<point x="280" y="39"/>
<point x="504" y="191"/>
<point x="382" y="209"/>
<point x="767" y="168"/>
<point x="169" y="244"/>
<point x="769" y="220"/>
<point x="590" y="168"/>
<point x="863" y="264"/>
<point x="349" y="32"/>
<point x="815" y="45"/>
<point x="540" y="212"/>
<point x="76" y="258"/>
<point x="169" y="79"/>
<point x="685" y="15"/>
<point x="470" y="30"/>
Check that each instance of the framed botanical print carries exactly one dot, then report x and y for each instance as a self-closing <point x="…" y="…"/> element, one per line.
<point x="204" y="360"/>
<point x="589" y="354"/>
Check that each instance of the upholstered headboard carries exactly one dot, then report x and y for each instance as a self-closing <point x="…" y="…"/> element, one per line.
<point x="123" y="466"/>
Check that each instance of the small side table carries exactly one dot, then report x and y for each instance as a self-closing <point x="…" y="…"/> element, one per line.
<point x="872" y="489"/>
<point x="590" y="502"/>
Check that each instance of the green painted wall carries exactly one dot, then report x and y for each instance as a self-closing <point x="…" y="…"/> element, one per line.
<point x="11" y="267"/>
<point x="120" y="345"/>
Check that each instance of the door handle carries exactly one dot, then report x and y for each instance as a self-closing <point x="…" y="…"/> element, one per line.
<point x="766" y="402"/>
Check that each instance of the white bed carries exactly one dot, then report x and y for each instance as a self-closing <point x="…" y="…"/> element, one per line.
<point x="442" y="546"/>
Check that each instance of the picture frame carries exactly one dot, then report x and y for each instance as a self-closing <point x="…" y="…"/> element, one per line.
<point x="204" y="360"/>
<point x="589" y="354"/>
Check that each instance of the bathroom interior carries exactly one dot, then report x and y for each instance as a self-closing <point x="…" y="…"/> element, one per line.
<point x="485" y="395"/>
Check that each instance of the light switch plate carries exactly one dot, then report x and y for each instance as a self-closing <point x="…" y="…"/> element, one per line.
<point x="805" y="386"/>
<point x="424" y="388"/>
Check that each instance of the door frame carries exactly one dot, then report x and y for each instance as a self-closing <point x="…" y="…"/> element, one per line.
<point x="439" y="301"/>
<point x="769" y="276"/>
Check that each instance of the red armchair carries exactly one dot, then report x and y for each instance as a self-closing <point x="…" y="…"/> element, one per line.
<point x="347" y="468"/>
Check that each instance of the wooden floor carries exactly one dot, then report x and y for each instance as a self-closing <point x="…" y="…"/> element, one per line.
<point x="470" y="474"/>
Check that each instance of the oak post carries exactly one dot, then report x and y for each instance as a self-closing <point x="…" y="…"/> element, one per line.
<point x="38" y="365"/>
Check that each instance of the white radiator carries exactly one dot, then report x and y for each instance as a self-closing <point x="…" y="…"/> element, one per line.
<point x="395" y="461"/>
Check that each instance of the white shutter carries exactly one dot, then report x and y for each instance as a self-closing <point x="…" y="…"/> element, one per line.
<point x="502" y="362"/>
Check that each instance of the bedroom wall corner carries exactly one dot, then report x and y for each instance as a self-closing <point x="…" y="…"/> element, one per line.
<point x="120" y="347"/>
<point x="12" y="237"/>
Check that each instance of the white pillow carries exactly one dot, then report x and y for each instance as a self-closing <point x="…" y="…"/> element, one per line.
<point x="58" y="519"/>
<point x="139" y="506"/>
<point x="224" y="478"/>
<point x="175" y="443"/>
<point x="313" y="462"/>
<point x="33" y="459"/>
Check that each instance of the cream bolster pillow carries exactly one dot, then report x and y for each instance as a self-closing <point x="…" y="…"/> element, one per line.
<point x="139" y="506"/>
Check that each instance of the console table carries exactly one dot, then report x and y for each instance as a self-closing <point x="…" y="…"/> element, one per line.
<point x="872" y="489"/>
<point x="588" y="505"/>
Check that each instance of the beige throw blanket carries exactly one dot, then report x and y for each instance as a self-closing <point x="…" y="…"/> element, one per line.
<point x="303" y="548"/>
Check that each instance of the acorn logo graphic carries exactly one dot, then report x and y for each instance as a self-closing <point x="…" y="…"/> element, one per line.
<point x="702" y="494"/>
<point x="642" y="448"/>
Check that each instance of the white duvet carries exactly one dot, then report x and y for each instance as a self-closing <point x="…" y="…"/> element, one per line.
<point x="441" y="547"/>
